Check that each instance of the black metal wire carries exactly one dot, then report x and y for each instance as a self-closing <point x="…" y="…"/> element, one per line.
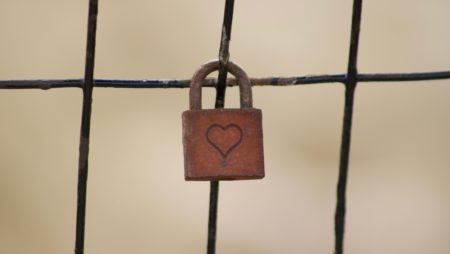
<point x="212" y="218"/>
<point x="46" y="84"/>
<point x="350" y="86"/>
<point x="224" y="53"/>
<point x="85" y="127"/>
<point x="220" y="102"/>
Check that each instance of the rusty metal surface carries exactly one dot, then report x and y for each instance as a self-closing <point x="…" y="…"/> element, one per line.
<point x="223" y="144"/>
<point x="245" y="88"/>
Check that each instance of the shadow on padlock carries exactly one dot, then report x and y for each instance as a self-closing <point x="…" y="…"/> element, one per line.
<point x="222" y="144"/>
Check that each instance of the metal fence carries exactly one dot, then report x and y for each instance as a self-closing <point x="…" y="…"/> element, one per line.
<point x="350" y="79"/>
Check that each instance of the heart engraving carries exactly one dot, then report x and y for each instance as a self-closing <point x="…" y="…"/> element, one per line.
<point x="224" y="138"/>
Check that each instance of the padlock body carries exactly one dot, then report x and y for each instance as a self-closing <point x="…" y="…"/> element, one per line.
<point x="223" y="144"/>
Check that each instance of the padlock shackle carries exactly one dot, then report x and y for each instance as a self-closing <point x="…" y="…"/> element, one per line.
<point x="245" y="88"/>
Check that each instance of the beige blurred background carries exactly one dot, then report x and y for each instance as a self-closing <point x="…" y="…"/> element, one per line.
<point x="138" y="202"/>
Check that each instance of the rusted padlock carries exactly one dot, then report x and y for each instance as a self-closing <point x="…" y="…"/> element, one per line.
<point x="222" y="144"/>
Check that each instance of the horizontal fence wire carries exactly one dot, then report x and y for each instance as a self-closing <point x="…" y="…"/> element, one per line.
<point x="184" y="83"/>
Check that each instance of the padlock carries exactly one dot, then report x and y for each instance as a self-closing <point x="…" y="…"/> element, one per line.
<point x="222" y="144"/>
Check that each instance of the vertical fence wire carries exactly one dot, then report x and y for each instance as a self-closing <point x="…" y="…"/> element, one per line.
<point x="219" y="103"/>
<point x="85" y="127"/>
<point x="224" y="53"/>
<point x="350" y="85"/>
